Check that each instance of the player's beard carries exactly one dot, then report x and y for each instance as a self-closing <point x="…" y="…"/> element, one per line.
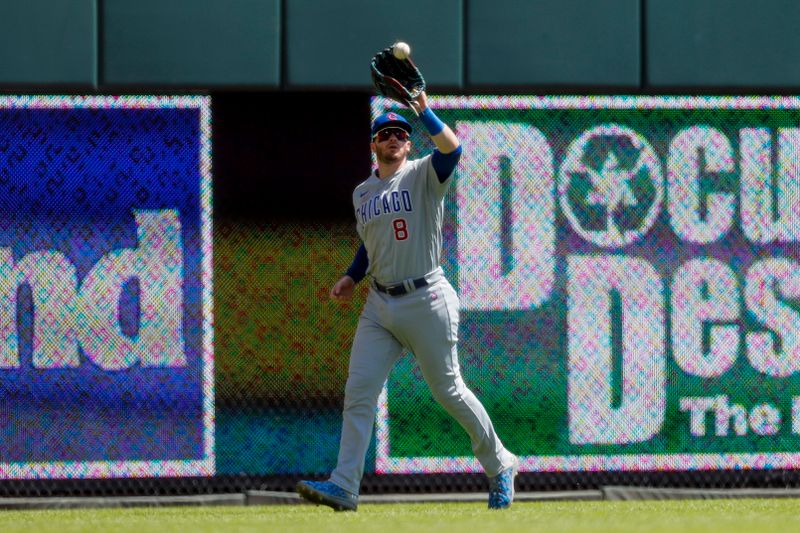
<point x="387" y="157"/>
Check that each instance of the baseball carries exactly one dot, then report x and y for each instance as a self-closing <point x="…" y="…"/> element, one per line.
<point x="401" y="50"/>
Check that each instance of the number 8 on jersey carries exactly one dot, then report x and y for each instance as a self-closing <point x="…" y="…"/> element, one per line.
<point x="400" y="229"/>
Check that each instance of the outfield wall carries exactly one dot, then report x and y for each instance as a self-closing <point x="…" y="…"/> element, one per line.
<point x="627" y="268"/>
<point x="473" y="46"/>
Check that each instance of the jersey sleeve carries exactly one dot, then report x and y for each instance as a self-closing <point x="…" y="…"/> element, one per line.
<point x="357" y="211"/>
<point x="435" y="184"/>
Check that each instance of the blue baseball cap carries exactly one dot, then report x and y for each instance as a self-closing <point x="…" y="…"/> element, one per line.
<point x="390" y="120"/>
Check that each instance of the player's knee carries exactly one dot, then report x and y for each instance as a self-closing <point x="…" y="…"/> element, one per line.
<point x="359" y="392"/>
<point x="446" y="393"/>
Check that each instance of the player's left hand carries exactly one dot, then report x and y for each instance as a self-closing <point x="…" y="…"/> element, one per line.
<point x="342" y="291"/>
<point x="420" y="103"/>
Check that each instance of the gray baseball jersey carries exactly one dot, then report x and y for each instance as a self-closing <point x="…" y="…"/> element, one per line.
<point x="399" y="219"/>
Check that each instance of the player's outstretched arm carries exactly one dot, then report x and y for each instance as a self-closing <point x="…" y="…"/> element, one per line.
<point x="448" y="149"/>
<point x="443" y="137"/>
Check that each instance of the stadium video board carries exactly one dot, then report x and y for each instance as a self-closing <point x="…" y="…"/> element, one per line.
<point x="629" y="284"/>
<point x="106" y="360"/>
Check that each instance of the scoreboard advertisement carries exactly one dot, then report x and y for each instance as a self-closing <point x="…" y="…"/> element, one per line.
<point x="627" y="268"/>
<point x="106" y="360"/>
<point x="629" y="283"/>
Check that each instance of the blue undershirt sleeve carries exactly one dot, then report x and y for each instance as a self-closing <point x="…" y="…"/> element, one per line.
<point x="358" y="268"/>
<point x="445" y="164"/>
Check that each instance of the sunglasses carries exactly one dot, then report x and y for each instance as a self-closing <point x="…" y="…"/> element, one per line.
<point x="399" y="134"/>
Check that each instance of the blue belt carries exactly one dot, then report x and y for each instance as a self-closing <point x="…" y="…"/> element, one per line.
<point x="400" y="289"/>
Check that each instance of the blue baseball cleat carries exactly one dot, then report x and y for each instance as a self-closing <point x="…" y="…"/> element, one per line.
<point x="501" y="487"/>
<point x="327" y="493"/>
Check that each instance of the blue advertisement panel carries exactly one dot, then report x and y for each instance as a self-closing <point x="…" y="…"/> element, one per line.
<point x="106" y="360"/>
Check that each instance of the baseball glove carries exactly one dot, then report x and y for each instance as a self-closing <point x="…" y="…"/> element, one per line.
<point x="398" y="79"/>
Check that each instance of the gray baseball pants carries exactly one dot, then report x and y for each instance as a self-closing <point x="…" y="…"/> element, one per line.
<point x="425" y="322"/>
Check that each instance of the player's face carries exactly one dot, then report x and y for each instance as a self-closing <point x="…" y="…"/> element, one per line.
<point x="391" y="145"/>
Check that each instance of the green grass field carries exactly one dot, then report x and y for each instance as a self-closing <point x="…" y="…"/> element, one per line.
<point x="729" y="516"/>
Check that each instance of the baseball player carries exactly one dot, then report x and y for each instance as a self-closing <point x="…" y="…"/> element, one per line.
<point x="399" y="211"/>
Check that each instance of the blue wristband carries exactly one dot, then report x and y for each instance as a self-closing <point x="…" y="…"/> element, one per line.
<point x="431" y="122"/>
